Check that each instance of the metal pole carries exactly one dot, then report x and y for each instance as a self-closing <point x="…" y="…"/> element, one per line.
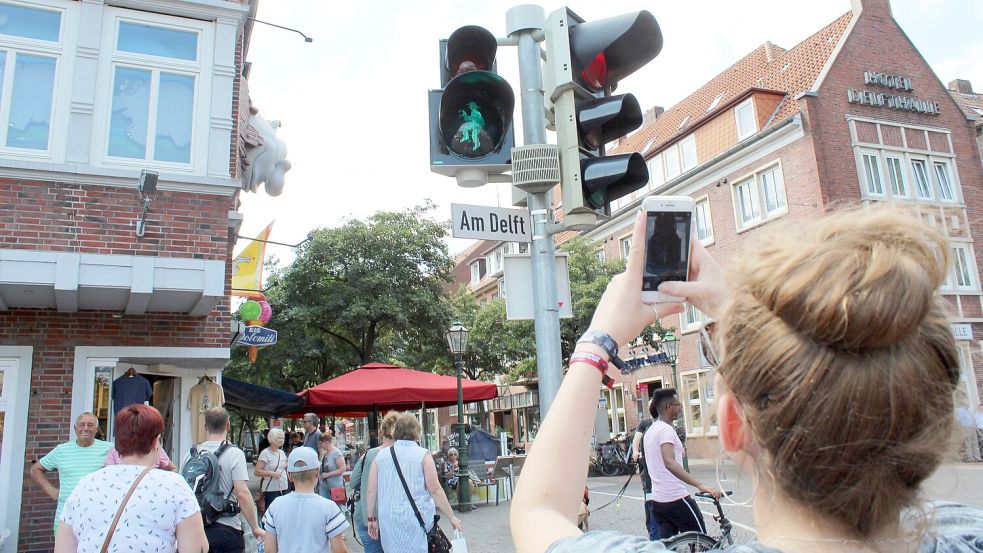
<point x="543" y="251"/>
<point x="675" y="385"/>
<point x="463" y="481"/>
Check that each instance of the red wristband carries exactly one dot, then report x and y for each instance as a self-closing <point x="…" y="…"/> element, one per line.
<point x="595" y="361"/>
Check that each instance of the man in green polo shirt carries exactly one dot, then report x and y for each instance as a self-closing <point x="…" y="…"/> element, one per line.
<point x="72" y="460"/>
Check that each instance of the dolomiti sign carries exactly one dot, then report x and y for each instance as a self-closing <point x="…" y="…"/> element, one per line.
<point x="490" y="223"/>
<point x="887" y="99"/>
<point x="258" y="336"/>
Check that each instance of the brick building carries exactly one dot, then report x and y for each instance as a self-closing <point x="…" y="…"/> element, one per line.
<point x="94" y="94"/>
<point x="851" y="114"/>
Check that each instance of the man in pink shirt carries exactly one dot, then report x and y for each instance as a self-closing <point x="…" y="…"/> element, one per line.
<point x="164" y="462"/>
<point x="675" y="510"/>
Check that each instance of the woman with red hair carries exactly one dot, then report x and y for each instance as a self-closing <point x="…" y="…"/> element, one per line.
<point x="131" y="506"/>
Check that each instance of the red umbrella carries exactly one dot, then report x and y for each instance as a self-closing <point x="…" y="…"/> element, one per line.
<point x="382" y="386"/>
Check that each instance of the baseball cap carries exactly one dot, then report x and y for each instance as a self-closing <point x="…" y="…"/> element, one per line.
<point x="301" y="459"/>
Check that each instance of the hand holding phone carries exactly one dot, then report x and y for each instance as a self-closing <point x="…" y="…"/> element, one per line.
<point x="668" y="231"/>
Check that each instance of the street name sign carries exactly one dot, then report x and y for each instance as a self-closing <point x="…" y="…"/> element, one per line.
<point x="519" y="303"/>
<point x="258" y="336"/>
<point x="490" y="223"/>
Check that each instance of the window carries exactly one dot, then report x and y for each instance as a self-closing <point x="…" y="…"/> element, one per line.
<point x="760" y="196"/>
<point x="154" y="81"/>
<point x="872" y="172"/>
<point x="704" y="226"/>
<point x="962" y="267"/>
<point x="715" y="102"/>
<point x="29" y="47"/>
<point x="501" y="288"/>
<point x="691" y="318"/>
<point x="945" y="180"/>
<point x="477" y="270"/>
<point x="657" y="175"/>
<point x="746" y="125"/>
<point x="671" y="156"/>
<point x="625" y="247"/>
<point x="922" y="186"/>
<point x="697" y="397"/>
<point x="688" y="149"/>
<point x="614" y="403"/>
<point x="895" y="174"/>
<point x="683" y="123"/>
<point x="600" y="255"/>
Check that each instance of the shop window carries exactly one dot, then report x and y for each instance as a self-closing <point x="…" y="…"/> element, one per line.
<point x="101" y="403"/>
<point x="30" y="48"/>
<point x="704" y="226"/>
<point x="746" y="125"/>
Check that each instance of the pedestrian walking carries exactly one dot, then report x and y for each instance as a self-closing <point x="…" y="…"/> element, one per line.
<point x="131" y="506"/>
<point x="638" y="454"/>
<point x="313" y="437"/>
<point x="360" y="483"/>
<point x="302" y="521"/>
<point x="271" y="467"/>
<point x="73" y="460"/>
<point x="331" y="481"/>
<point x="845" y="309"/>
<point x="391" y="514"/>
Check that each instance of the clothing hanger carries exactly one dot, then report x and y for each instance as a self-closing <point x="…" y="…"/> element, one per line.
<point x="131" y="372"/>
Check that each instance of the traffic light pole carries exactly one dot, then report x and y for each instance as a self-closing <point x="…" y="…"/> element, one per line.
<point x="523" y="23"/>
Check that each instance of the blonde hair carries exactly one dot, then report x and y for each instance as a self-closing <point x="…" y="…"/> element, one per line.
<point x="406" y="428"/>
<point x="839" y="349"/>
<point x="386" y="426"/>
<point x="304" y="475"/>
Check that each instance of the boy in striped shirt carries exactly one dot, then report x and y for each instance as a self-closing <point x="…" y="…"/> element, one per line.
<point x="303" y="521"/>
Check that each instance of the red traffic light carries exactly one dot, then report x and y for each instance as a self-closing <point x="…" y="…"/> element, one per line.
<point x="607" y="50"/>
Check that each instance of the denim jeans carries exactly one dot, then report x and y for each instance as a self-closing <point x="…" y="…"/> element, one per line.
<point x="370" y="545"/>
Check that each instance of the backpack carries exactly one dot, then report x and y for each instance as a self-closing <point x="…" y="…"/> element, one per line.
<point x="201" y="472"/>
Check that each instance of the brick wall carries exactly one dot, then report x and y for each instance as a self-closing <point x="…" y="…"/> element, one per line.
<point x="52" y="216"/>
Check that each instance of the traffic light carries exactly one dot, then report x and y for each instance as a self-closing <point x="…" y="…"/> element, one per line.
<point x="584" y="62"/>
<point x="471" y="133"/>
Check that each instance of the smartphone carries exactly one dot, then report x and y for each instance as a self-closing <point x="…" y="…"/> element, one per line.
<point x="668" y="228"/>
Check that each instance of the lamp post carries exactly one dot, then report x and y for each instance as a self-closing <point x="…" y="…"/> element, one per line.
<point x="457" y="339"/>
<point x="671" y="344"/>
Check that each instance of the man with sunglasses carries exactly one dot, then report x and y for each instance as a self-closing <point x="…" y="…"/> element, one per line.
<point x="674" y="508"/>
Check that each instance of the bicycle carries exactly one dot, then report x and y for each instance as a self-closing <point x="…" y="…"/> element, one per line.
<point x="691" y="542"/>
<point x="613" y="457"/>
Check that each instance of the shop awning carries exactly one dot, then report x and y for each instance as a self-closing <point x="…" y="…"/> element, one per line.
<point x="259" y="400"/>
<point x="381" y="386"/>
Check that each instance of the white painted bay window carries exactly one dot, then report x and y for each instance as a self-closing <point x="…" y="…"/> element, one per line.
<point x="31" y="48"/>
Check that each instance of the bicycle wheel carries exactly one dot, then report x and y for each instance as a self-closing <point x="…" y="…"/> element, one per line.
<point x="690" y="542"/>
<point x="609" y="469"/>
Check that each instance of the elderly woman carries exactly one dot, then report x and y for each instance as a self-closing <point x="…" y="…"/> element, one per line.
<point x="836" y="369"/>
<point x="390" y="514"/>
<point x="360" y="482"/>
<point x="450" y="466"/>
<point x="160" y="515"/>
<point x="271" y="468"/>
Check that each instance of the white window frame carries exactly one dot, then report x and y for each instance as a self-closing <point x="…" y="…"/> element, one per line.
<point x="657" y="173"/>
<point x="500" y="292"/>
<point x="703" y="218"/>
<point x="873" y="176"/>
<point x="674" y="166"/>
<point x="624" y="246"/>
<point x="918" y="182"/>
<point x="202" y="69"/>
<point x="691" y="318"/>
<point x="741" y="132"/>
<point x="475" y="271"/>
<point x="947" y="193"/>
<point x="715" y="102"/>
<point x="895" y="173"/>
<point x="600" y="255"/>
<point x="16" y="362"/>
<point x="687" y="153"/>
<point x="63" y="51"/>
<point x="617" y="416"/>
<point x="963" y="274"/>
<point x="704" y="388"/>
<point x="750" y="190"/>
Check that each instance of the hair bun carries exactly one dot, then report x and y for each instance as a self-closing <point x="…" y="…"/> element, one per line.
<point x="852" y="287"/>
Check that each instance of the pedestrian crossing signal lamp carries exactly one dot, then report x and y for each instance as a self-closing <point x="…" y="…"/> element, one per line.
<point x="471" y="134"/>
<point x="585" y="60"/>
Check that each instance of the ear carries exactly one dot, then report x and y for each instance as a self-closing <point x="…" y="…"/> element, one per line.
<point x="734" y="431"/>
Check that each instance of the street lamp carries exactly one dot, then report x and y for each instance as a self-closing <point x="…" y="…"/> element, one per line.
<point x="457" y="339"/>
<point x="671" y="344"/>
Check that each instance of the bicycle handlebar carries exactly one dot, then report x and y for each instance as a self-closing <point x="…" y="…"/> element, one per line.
<point x="708" y="496"/>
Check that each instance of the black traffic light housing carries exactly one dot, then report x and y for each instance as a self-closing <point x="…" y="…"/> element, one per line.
<point x="471" y="131"/>
<point x="585" y="61"/>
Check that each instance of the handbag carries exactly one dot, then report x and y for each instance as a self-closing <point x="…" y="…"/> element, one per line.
<point x="119" y="511"/>
<point x="339" y="494"/>
<point x="437" y="541"/>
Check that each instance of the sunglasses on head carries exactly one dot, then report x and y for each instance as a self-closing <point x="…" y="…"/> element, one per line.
<point x="707" y="349"/>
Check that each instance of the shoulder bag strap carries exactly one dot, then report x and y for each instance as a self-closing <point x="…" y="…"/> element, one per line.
<point x="119" y="511"/>
<point x="277" y="467"/>
<point x="419" y="517"/>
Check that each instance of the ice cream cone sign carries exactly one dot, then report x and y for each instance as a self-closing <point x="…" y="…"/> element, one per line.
<point x="256" y="314"/>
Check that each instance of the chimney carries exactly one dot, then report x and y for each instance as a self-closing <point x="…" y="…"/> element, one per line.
<point x="651" y="115"/>
<point x="875" y="8"/>
<point x="961" y="85"/>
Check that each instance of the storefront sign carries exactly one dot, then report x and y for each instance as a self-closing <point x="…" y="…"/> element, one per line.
<point x="891" y="101"/>
<point x="962" y="331"/>
<point x="258" y="336"/>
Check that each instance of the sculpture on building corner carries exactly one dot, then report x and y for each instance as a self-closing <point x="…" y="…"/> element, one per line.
<point x="266" y="158"/>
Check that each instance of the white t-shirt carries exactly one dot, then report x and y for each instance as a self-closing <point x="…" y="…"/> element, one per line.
<point x="665" y="486"/>
<point x="159" y="503"/>
<point x="304" y="522"/>
<point x="274" y="462"/>
<point x="232" y="465"/>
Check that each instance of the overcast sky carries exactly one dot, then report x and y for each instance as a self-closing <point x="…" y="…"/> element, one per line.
<point x="353" y="102"/>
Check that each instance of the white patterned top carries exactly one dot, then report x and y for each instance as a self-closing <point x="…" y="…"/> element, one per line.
<point x="160" y="502"/>
<point x="398" y="526"/>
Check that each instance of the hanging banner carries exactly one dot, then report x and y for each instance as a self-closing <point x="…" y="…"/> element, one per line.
<point x="247" y="268"/>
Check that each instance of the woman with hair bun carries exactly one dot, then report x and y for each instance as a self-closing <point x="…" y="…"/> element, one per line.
<point x="836" y="369"/>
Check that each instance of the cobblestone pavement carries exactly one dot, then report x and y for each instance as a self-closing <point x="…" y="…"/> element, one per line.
<point x="487" y="527"/>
